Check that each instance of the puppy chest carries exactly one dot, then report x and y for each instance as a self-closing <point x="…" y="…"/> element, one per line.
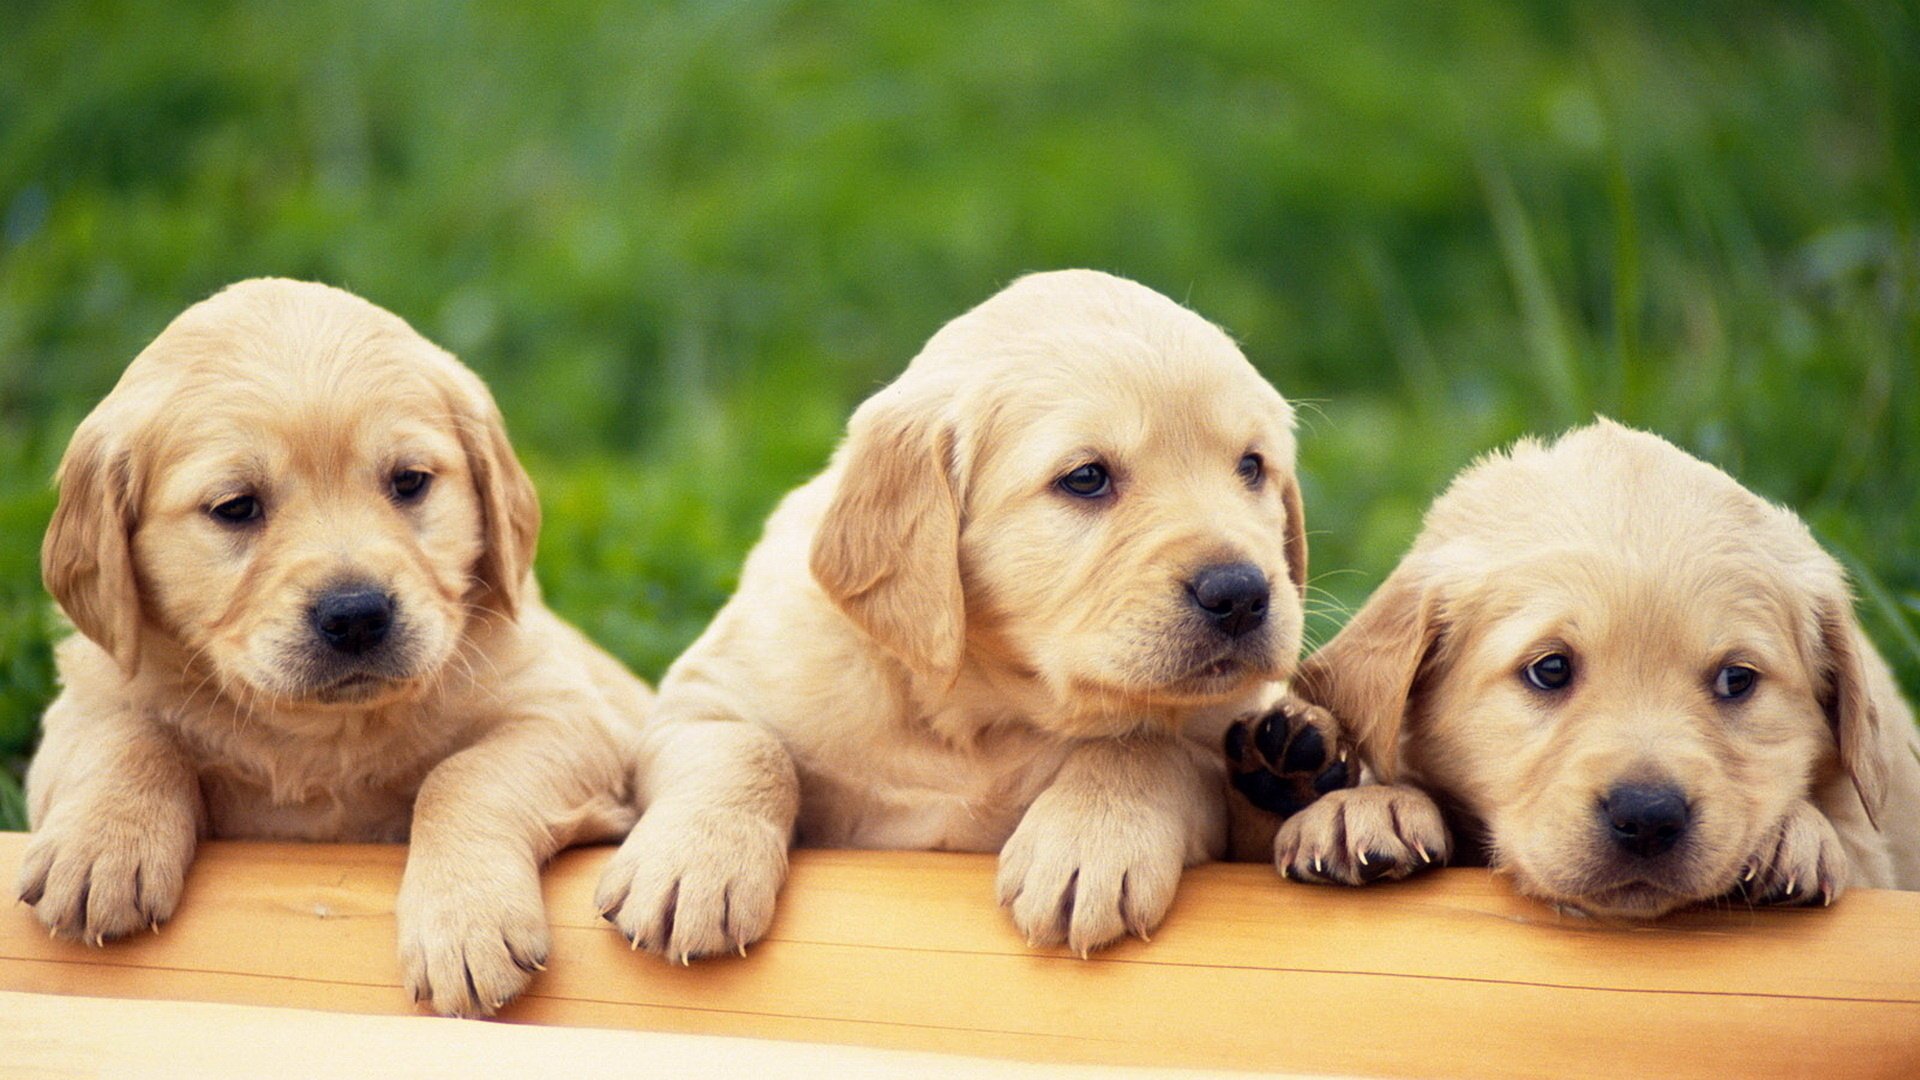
<point x="238" y="809"/>
<point x="288" y="788"/>
<point x="922" y="797"/>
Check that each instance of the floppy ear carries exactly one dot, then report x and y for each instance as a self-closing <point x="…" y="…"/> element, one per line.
<point x="85" y="560"/>
<point x="509" y="506"/>
<point x="1849" y="705"/>
<point x="887" y="553"/>
<point x="1366" y="675"/>
<point x="1296" y="541"/>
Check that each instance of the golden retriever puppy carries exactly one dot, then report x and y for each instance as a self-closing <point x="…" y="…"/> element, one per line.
<point x="1630" y="683"/>
<point x="1015" y="613"/>
<point x="297" y="547"/>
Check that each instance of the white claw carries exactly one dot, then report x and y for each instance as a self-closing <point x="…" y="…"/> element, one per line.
<point x="743" y="950"/>
<point x="1793" y="885"/>
<point x="633" y="943"/>
<point x="1316" y="864"/>
<point x="1748" y="876"/>
<point x="1363" y="858"/>
<point x="1424" y="857"/>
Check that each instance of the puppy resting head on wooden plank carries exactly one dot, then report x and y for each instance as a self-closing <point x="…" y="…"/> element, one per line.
<point x="1633" y="684"/>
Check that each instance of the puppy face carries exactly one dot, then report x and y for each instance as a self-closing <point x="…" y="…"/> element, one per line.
<point x="1623" y="665"/>
<point x="1081" y="485"/>
<point x="298" y="492"/>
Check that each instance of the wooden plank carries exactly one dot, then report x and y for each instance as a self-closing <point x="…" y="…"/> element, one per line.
<point x="1447" y="973"/>
<point x="53" y="1036"/>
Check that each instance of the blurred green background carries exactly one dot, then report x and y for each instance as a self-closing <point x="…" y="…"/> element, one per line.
<point x="683" y="240"/>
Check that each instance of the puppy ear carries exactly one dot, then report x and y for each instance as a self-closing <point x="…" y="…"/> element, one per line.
<point x="1296" y="540"/>
<point x="1849" y="705"/>
<point x="509" y="506"/>
<point x="887" y="553"/>
<point x="1366" y="675"/>
<point x="85" y="561"/>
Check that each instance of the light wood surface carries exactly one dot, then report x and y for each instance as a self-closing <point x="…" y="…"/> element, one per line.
<point x="51" y="1036"/>
<point x="1448" y="974"/>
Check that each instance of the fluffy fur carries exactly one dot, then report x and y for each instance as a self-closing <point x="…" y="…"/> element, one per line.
<point x="961" y="656"/>
<point x="200" y="701"/>
<point x="1652" y="571"/>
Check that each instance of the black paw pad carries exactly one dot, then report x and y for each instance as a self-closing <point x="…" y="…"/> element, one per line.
<point x="1281" y="763"/>
<point x="1271" y="793"/>
<point x="1307" y="752"/>
<point x="1270" y="736"/>
<point x="1333" y="779"/>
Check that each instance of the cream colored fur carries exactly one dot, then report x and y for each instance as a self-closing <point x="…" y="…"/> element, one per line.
<point x="960" y="656"/>
<point x="1651" y="569"/>
<point x="191" y="706"/>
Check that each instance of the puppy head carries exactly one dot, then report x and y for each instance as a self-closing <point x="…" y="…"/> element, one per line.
<point x="1083" y="486"/>
<point x="1623" y="664"/>
<point x="296" y="493"/>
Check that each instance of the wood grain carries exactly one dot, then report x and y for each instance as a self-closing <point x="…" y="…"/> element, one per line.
<point x="1450" y="973"/>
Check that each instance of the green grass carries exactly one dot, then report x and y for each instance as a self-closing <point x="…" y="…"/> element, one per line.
<point x="682" y="240"/>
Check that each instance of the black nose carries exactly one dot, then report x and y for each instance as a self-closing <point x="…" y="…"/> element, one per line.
<point x="1645" y="819"/>
<point x="1233" y="596"/>
<point x="353" y="620"/>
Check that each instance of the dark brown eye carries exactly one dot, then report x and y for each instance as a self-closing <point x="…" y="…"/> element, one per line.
<point x="1734" y="682"/>
<point x="1089" y="481"/>
<point x="238" y="510"/>
<point x="410" y="484"/>
<point x="1551" y="672"/>
<point x="1252" y="470"/>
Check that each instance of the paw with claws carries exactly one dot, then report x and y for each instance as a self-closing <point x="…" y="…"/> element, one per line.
<point x="1799" y="861"/>
<point x="689" y="883"/>
<point x="471" y="936"/>
<point x="96" y="877"/>
<point x="1085" y="876"/>
<point x="1357" y="836"/>
<point x="1292" y="755"/>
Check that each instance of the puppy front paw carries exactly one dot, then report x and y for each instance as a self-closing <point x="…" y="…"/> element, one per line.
<point x="1284" y="759"/>
<point x="1356" y="836"/>
<point x="1799" y="862"/>
<point x="471" y="935"/>
<point x="96" y="877"/>
<point x="693" y="883"/>
<point x="1085" y="879"/>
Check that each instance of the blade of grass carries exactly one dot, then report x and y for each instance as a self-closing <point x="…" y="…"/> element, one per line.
<point x="1546" y="331"/>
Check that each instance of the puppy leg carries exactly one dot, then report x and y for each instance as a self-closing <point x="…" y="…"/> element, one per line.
<point x="1359" y="835"/>
<point x="472" y="926"/>
<point x="1099" y="854"/>
<point x="116" y="813"/>
<point x="1286" y="757"/>
<point x="700" y="873"/>
<point x="1799" y="861"/>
